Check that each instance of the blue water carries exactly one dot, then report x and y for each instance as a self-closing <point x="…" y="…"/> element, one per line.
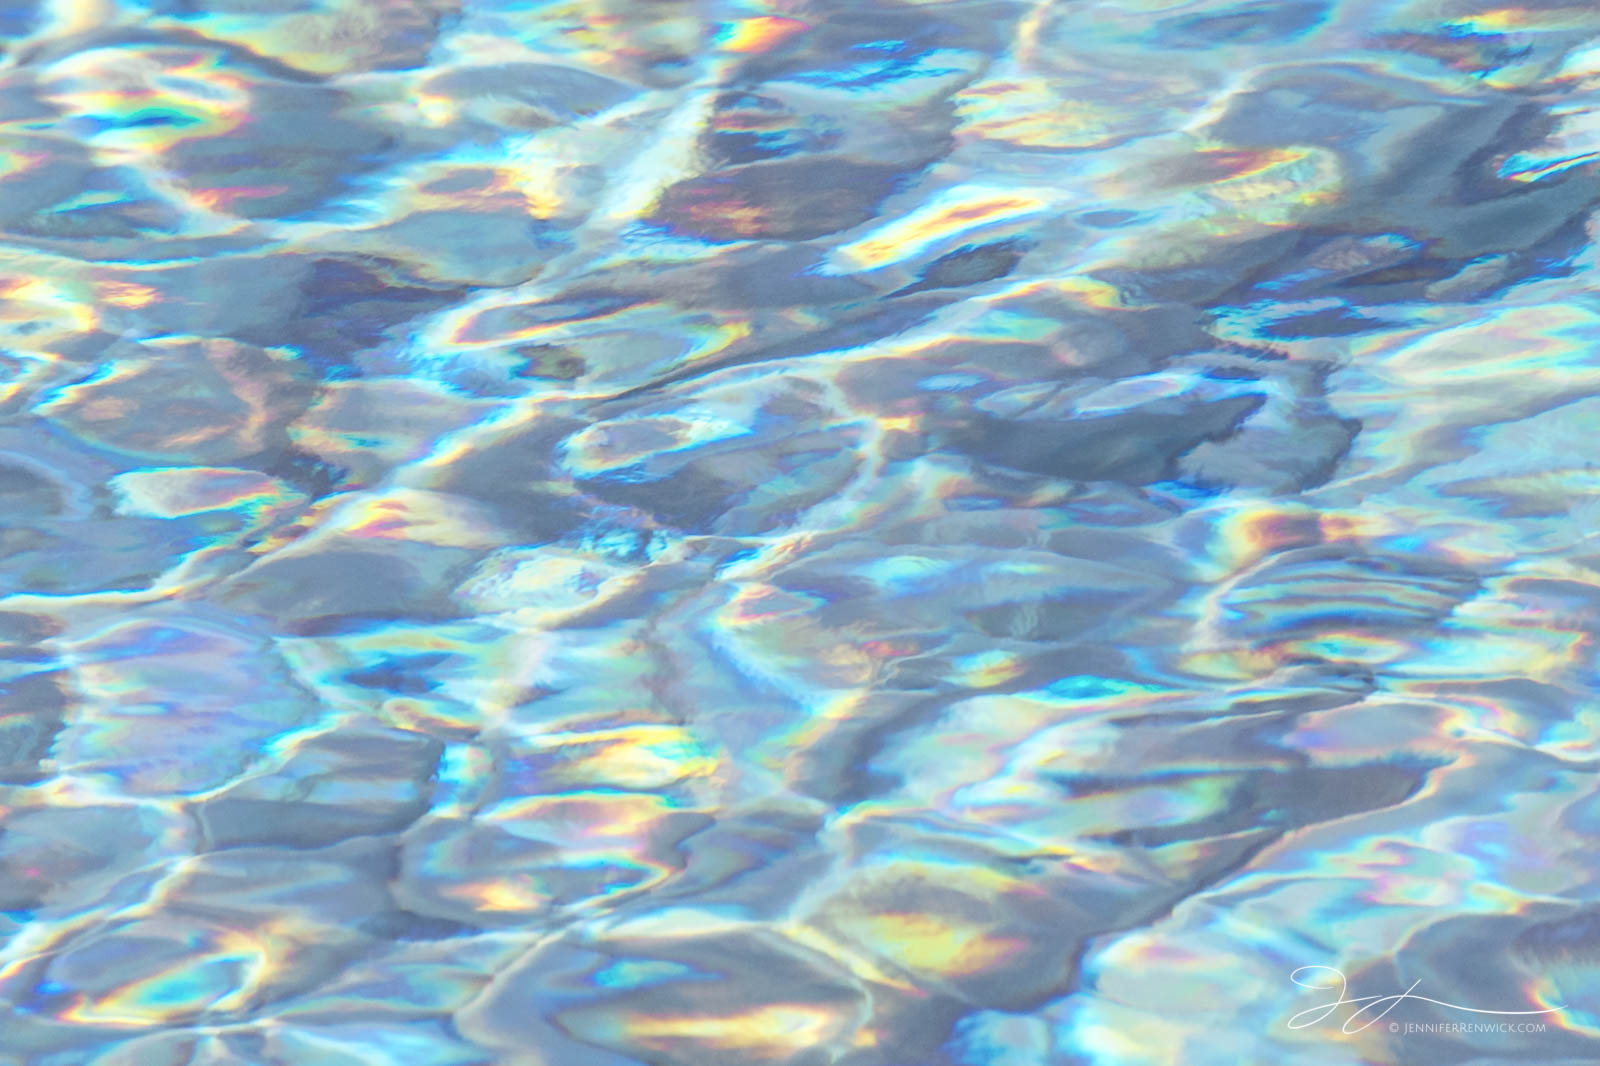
<point x="881" y="534"/>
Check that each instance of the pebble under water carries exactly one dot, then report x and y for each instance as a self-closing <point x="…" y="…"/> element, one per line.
<point x="811" y="532"/>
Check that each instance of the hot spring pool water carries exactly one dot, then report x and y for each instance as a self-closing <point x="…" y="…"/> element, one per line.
<point x="799" y="532"/>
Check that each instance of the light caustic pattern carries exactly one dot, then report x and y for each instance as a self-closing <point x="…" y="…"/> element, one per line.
<point x="909" y="533"/>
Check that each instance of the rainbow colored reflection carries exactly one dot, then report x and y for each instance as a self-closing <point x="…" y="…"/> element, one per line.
<point x="909" y="533"/>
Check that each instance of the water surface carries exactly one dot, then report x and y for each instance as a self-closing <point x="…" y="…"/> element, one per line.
<point x="886" y="534"/>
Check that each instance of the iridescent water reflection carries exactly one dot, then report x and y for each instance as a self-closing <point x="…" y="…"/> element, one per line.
<point x="921" y="533"/>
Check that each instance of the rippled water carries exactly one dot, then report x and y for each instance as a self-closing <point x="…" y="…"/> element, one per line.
<point x="890" y="534"/>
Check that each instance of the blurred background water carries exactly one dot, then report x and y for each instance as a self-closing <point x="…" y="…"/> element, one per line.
<point x="892" y="533"/>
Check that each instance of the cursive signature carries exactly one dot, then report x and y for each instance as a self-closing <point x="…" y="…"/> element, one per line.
<point x="1388" y="1003"/>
